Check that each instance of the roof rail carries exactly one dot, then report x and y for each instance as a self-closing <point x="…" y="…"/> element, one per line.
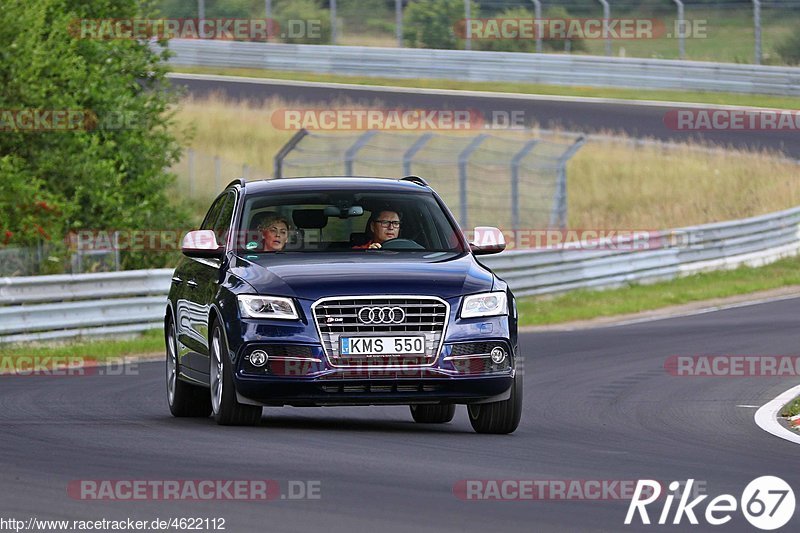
<point x="415" y="179"/>
<point x="237" y="181"/>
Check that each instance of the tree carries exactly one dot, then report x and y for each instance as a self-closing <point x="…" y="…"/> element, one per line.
<point x="434" y="23"/>
<point x="109" y="173"/>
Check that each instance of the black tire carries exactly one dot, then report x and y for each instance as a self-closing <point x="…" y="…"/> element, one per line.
<point x="433" y="414"/>
<point x="227" y="411"/>
<point x="498" y="417"/>
<point x="184" y="399"/>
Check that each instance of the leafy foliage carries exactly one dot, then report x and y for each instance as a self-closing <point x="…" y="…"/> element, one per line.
<point x="789" y="49"/>
<point x="433" y="23"/>
<point x="108" y="174"/>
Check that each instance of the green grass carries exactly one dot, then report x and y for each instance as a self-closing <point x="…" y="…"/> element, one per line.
<point x="792" y="408"/>
<point x="776" y="102"/>
<point x="586" y="304"/>
<point x="18" y="355"/>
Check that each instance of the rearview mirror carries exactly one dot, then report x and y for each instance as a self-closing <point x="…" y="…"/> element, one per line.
<point x="202" y="243"/>
<point x="487" y="240"/>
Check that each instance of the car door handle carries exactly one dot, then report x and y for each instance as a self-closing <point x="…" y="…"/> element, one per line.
<point x="192" y="283"/>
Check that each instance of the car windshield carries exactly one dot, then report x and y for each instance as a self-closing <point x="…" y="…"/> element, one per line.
<point x="342" y="220"/>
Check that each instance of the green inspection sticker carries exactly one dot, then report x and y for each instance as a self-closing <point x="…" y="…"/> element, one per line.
<point x="252" y="245"/>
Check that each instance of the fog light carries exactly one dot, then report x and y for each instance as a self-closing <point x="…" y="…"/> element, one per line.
<point x="258" y="358"/>
<point x="498" y="355"/>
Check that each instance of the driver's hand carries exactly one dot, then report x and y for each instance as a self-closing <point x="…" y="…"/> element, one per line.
<point x="374" y="245"/>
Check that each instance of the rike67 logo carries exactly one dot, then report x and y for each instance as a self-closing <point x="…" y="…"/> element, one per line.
<point x="767" y="502"/>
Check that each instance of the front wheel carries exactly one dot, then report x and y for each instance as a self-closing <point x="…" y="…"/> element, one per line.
<point x="433" y="414"/>
<point x="226" y="409"/>
<point x="498" y="417"/>
<point x="184" y="400"/>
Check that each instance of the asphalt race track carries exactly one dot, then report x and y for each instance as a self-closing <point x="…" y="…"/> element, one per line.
<point x="635" y="120"/>
<point x="599" y="405"/>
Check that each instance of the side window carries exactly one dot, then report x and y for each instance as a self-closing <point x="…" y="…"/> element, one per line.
<point x="223" y="225"/>
<point x="213" y="213"/>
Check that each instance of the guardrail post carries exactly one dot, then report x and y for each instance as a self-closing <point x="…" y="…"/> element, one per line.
<point x="515" y="162"/>
<point x="463" y="159"/>
<point x="412" y="151"/>
<point x="757" y="28"/>
<point x="284" y="151"/>
<point x="606" y="21"/>
<point x="537" y="13"/>
<point x="681" y="30"/>
<point x="350" y="154"/>
<point x="558" y="215"/>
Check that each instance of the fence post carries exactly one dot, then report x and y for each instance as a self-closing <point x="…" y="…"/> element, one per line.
<point x="467" y="16"/>
<point x="558" y="215"/>
<point x="398" y="21"/>
<point x="190" y="156"/>
<point x="333" y="22"/>
<point x="463" y="159"/>
<point x="537" y="13"/>
<point x="606" y="22"/>
<point x="412" y="151"/>
<point x="515" y="162"/>
<point x="757" y="28"/>
<point x="217" y="173"/>
<point x="245" y="171"/>
<point x="681" y="30"/>
<point x="284" y="151"/>
<point x="350" y="154"/>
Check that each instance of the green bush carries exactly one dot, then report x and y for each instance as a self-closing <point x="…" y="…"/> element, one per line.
<point x="433" y="23"/>
<point x="789" y="49"/>
<point x="107" y="174"/>
<point x="303" y="22"/>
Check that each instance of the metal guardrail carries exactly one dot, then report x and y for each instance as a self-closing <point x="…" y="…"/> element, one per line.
<point x="752" y="241"/>
<point x="56" y="307"/>
<point x="66" y="306"/>
<point x="553" y="69"/>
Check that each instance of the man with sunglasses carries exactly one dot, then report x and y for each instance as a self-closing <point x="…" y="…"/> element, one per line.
<point x="383" y="226"/>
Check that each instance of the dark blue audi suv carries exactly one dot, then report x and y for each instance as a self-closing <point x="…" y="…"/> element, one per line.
<point x="340" y="291"/>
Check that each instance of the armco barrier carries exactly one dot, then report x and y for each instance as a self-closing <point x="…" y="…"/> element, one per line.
<point x="53" y="307"/>
<point x="553" y="69"/>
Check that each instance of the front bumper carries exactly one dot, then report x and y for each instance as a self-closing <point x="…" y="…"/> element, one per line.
<point x="300" y="373"/>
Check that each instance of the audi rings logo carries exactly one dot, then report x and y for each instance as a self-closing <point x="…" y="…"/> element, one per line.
<point x="381" y="315"/>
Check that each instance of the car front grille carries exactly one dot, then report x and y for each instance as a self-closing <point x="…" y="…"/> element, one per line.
<point x="337" y="317"/>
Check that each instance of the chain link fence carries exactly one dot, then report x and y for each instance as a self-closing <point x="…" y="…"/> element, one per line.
<point x="486" y="179"/>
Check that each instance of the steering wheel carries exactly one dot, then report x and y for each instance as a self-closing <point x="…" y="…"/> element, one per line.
<point x="401" y="244"/>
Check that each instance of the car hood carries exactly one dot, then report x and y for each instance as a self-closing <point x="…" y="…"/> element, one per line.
<point x="314" y="278"/>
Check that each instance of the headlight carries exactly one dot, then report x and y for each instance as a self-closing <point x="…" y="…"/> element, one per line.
<point x="486" y="304"/>
<point x="267" y="307"/>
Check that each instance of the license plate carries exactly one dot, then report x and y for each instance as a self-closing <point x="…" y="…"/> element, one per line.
<point x="378" y="346"/>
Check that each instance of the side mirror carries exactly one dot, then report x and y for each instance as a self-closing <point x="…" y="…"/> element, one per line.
<point x="202" y="243"/>
<point x="488" y="240"/>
